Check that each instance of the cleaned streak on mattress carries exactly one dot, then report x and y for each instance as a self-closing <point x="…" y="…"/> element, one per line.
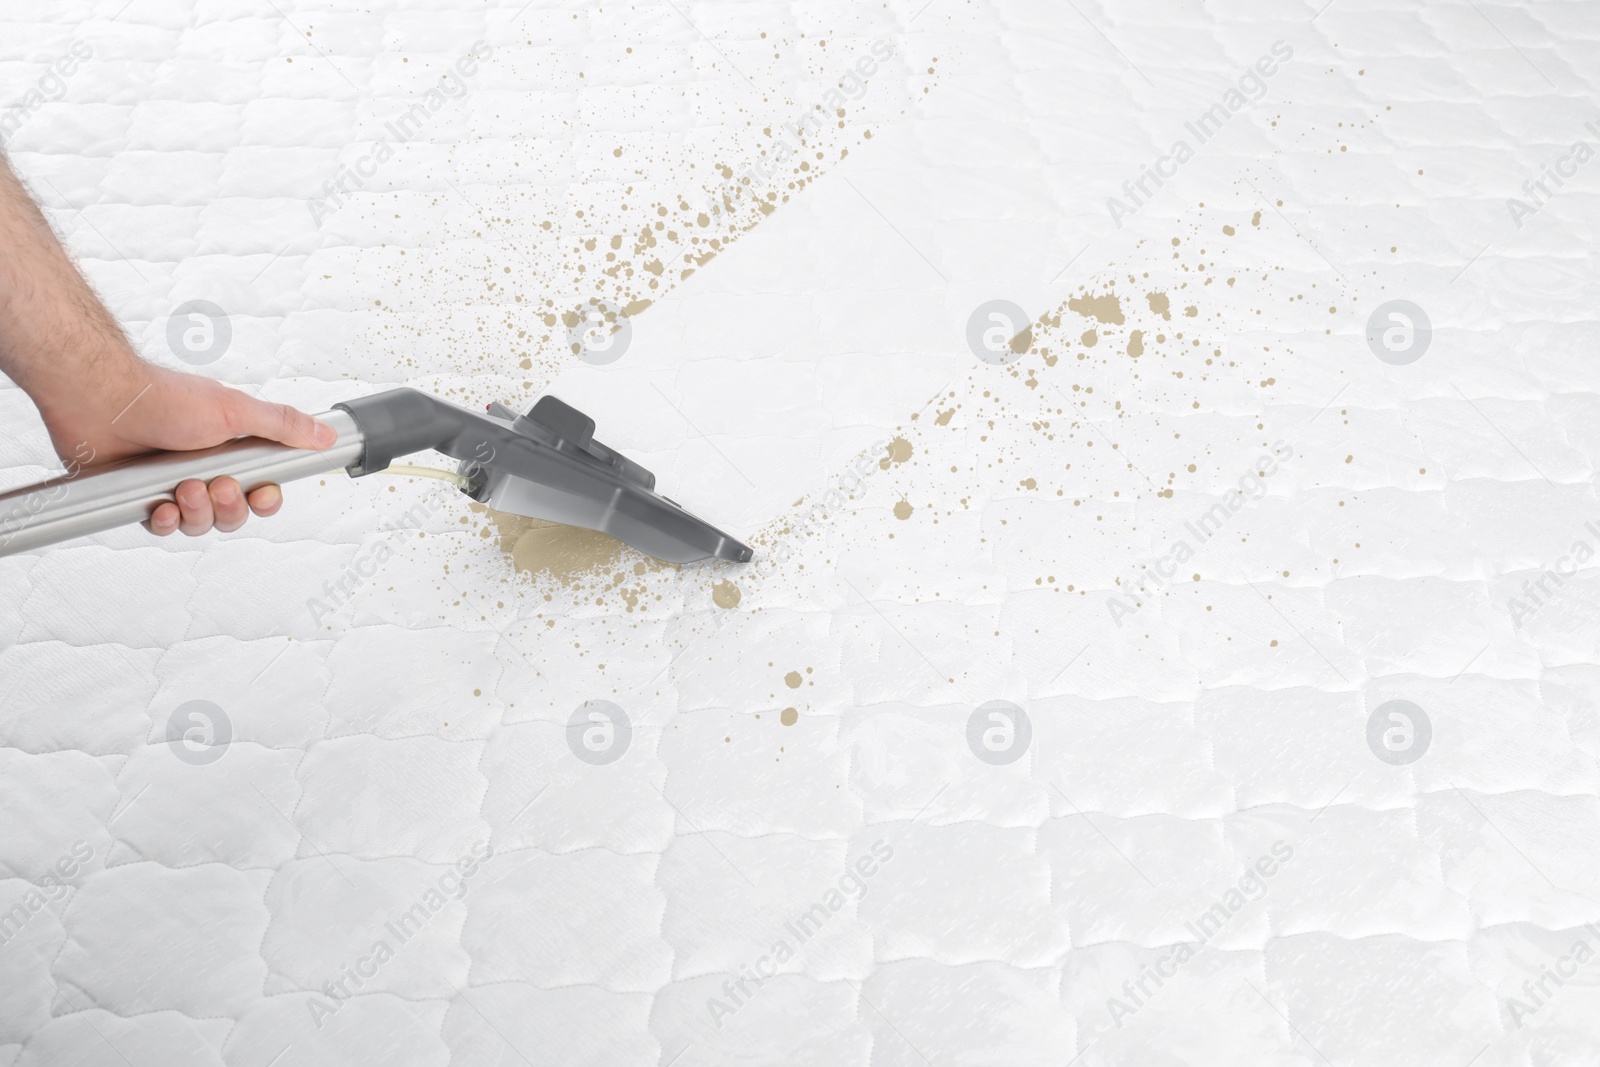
<point x="628" y="253"/>
<point x="682" y="233"/>
<point x="624" y="256"/>
<point x="629" y="271"/>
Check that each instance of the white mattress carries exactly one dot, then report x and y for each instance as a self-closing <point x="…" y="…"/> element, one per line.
<point x="1181" y="742"/>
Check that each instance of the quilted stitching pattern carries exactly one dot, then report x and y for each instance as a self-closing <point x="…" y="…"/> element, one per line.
<point x="228" y="912"/>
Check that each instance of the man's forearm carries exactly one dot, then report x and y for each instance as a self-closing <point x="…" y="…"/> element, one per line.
<point x="100" y="400"/>
<point x="54" y="331"/>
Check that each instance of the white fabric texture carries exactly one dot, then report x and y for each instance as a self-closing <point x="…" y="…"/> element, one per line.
<point x="1202" y="524"/>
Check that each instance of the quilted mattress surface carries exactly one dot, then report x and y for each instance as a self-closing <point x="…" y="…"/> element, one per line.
<point x="1167" y="432"/>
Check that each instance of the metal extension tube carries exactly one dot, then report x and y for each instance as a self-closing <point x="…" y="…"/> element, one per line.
<point x="545" y="464"/>
<point x="103" y="498"/>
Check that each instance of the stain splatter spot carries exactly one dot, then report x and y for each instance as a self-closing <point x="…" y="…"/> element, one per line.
<point x="899" y="452"/>
<point x="792" y="679"/>
<point x="1106" y="309"/>
<point x="725" y="594"/>
<point x="548" y="549"/>
<point x="902" y="510"/>
<point x="789" y="717"/>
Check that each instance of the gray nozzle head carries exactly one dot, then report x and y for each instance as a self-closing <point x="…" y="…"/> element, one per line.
<point x="543" y="465"/>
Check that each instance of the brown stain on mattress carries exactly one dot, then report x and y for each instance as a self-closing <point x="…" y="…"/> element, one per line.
<point x="551" y="550"/>
<point x="899" y="451"/>
<point x="1106" y="308"/>
<point x="725" y="594"/>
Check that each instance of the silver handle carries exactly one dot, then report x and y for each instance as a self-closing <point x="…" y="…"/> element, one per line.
<point x="103" y="498"/>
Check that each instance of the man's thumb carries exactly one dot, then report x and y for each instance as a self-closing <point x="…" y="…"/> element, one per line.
<point x="282" y="423"/>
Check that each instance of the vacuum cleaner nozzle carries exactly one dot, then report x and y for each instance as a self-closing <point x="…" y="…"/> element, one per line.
<point x="545" y="464"/>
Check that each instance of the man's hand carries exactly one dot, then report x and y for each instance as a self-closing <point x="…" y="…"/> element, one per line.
<point x="99" y="400"/>
<point x="132" y="407"/>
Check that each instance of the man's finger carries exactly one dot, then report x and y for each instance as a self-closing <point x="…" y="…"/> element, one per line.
<point x="266" y="500"/>
<point x="279" y="422"/>
<point x="163" y="520"/>
<point x="194" y="507"/>
<point x="227" y="504"/>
